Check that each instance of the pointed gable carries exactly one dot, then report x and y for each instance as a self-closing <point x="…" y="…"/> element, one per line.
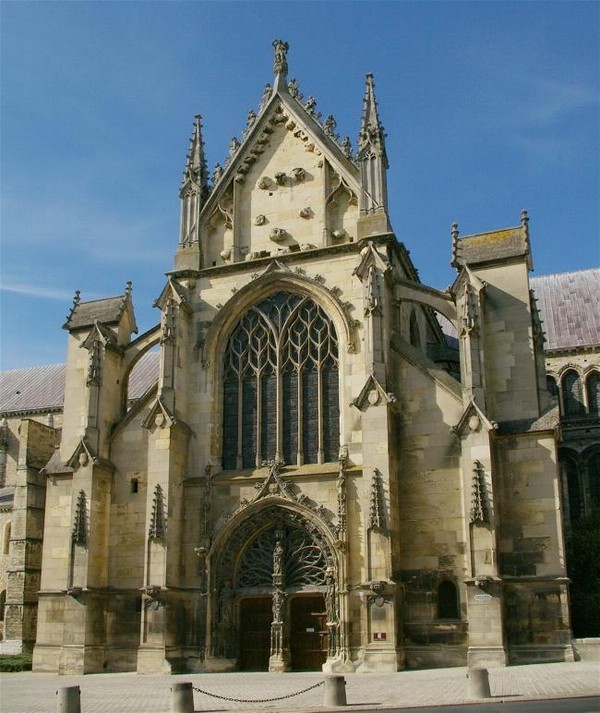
<point x="110" y="311"/>
<point x="288" y="185"/>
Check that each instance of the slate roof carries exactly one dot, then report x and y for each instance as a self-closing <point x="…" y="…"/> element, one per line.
<point x="42" y="388"/>
<point x="494" y="245"/>
<point x="37" y="388"/>
<point x="106" y="311"/>
<point x="569" y="305"/>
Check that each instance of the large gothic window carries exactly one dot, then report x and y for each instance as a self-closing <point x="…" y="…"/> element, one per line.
<point x="281" y="385"/>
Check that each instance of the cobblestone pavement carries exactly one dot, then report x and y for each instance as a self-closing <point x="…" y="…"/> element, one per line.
<point x="132" y="693"/>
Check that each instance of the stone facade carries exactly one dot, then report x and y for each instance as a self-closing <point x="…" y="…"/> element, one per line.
<point x="315" y="479"/>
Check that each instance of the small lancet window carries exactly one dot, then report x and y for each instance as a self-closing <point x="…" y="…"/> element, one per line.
<point x="135" y="485"/>
<point x="594" y="479"/>
<point x="447" y="600"/>
<point x="593" y="393"/>
<point x="572" y="394"/>
<point x="415" y="333"/>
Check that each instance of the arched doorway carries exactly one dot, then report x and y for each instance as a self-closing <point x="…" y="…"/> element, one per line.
<point x="276" y="603"/>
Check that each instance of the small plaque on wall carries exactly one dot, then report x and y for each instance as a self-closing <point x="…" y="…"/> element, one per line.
<point x="482" y="597"/>
<point x="379" y="636"/>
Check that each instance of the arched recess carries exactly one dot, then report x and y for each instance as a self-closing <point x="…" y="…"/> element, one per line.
<point x="448" y="606"/>
<point x="415" y="332"/>
<point x="276" y="549"/>
<point x="572" y="484"/>
<point x="572" y="394"/>
<point x="592" y="386"/>
<point x="281" y="385"/>
<point x="273" y="280"/>
<point x="276" y="279"/>
<point x="592" y="461"/>
<point x="6" y="539"/>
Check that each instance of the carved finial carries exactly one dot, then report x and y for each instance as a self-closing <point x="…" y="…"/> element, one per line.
<point x="76" y="301"/>
<point x="525" y="222"/>
<point x="79" y="533"/>
<point x="280" y="65"/>
<point x="329" y="126"/>
<point x="266" y="95"/>
<point x="294" y="89"/>
<point x="195" y="165"/>
<point x="234" y="145"/>
<point x="157" y="529"/>
<point x="250" y="118"/>
<point x="128" y="288"/>
<point x="376" y="503"/>
<point x="346" y="147"/>
<point x="479" y="509"/>
<point x="217" y="173"/>
<point x="454" y="234"/>
<point x="310" y="105"/>
<point x="371" y="136"/>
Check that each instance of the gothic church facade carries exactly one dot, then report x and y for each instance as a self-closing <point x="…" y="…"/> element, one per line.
<point x="316" y="479"/>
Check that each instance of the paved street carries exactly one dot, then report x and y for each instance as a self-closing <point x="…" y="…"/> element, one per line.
<point x="131" y="693"/>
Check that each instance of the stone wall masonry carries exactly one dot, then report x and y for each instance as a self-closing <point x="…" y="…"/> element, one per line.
<point x="508" y="343"/>
<point x="530" y="521"/>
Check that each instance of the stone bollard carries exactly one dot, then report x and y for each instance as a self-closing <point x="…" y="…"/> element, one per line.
<point x="335" y="691"/>
<point x="68" y="700"/>
<point x="182" y="700"/>
<point x="479" y="683"/>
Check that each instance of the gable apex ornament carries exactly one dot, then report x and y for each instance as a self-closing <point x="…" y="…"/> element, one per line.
<point x="175" y="292"/>
<point x="473" y="418"/>
<point x="370" y="257"/>
<point x="159" y="416"/>
<point x="280" y="65"/>
<point x="84" y="455"/>
<point x="372" y="393"/>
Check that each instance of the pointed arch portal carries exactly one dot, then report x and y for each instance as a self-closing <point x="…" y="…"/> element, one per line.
<point x="275" y="593"/>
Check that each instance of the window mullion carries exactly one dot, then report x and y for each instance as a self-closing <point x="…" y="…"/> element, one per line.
<point x="259" y="455"/>
<point x="278" y="400"/>
<point x="240" y="423"/>
<point x="300" y="448"/>
<point x="321" y="450"/>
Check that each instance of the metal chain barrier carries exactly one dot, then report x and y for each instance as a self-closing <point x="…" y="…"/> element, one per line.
<point x="258" y="700"/>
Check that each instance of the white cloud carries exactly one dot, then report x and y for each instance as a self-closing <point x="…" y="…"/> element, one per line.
<point x="37" y="290"/>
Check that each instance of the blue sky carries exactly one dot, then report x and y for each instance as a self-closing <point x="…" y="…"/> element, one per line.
<point x="489" y="107"/>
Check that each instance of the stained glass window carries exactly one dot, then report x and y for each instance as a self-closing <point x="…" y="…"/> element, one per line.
<point x="572" y="394"/>
<point x="593" y="393"/>
<point x="281" y="385"/>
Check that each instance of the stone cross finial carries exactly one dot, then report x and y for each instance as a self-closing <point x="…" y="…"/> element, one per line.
<point x="280" y="65"/>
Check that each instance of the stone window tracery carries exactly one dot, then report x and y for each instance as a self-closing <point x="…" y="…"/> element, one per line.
<point x="303" y="561"/>
<point x="281" y="385"/>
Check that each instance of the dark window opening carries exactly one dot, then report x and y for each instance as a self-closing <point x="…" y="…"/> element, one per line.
<point x="447" y="596"/>
<point x="572" y="394"/>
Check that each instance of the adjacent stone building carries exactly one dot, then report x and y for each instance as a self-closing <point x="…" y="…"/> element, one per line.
<point x="297" y="468"/>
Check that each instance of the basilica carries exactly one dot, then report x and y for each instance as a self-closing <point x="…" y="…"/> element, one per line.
<point x="314" y="461"/>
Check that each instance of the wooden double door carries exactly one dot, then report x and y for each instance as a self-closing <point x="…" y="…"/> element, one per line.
<point x="306" y="632"/>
